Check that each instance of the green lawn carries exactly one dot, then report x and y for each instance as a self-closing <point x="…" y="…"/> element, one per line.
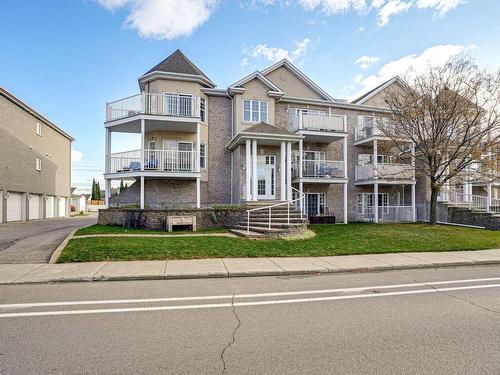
<point x="330" y="240"/>
<point x="110" y="229"/>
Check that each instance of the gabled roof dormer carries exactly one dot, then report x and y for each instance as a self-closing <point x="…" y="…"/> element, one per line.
<point x="273" y="90"/>
<point x="305" y="80"/>
<point x="363" y="99"/>
<point x="177" y="67"/>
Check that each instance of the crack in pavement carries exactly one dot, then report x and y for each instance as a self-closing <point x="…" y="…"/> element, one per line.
<point x="233" y="338"/>
<point x="458" y="298"/>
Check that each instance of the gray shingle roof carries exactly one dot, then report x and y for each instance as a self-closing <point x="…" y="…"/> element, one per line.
<point x="177" y="62"/>
<point x="263" y="127"/>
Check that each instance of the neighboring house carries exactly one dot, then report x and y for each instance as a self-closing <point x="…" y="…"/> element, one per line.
<point x="271" y="136"/>
<point x="35" y="163"/>
<point x="79" y="201"/>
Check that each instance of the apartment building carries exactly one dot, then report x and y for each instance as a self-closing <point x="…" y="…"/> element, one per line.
<point x="35" y="163"/>
<point x="272" y="136"/>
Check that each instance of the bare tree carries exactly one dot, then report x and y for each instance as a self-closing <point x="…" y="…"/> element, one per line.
<point x="451" y="115"/>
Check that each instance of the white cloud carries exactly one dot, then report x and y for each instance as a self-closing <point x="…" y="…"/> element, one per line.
<point x="76" y="156"/>
<point x="330" y="7"/>
<point x="164" y="19"/>
<point x="274" y="54"/>
<point x="366" y="61"/>
<point x="390" y="9"/>
<point x="360" y="29"/>
<point x="417" y="63"/>
<point x="441" y="6"/>
<point x="385" y="9"/>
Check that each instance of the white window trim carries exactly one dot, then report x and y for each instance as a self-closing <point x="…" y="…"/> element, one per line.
<point x="243" y="110"/>
<point x="38" y="129"/>
<point x="38" y="164"/>
<point x="204" y="109"/>
<point x="204" y="156"/>
<point x="178" y="94"/>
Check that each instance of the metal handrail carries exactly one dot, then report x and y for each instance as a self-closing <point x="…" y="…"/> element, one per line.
<point x="302" y="197"/>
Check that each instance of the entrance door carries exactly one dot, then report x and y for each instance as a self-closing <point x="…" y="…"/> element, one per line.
<point x="315" y="204"/>
<point x="266" y="176"/>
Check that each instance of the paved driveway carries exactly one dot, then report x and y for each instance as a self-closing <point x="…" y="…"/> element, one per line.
<point x="35" y="241"/>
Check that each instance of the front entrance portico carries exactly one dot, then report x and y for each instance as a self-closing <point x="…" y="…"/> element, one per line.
<point x="268" y="162"/>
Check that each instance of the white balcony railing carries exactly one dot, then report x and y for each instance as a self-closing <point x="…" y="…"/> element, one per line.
<point x="154" y="160"/>
<point x="384" y="171"/>
<point x="367" y="132"/>
<point x="319" y="169"/>
<point x="471" y="201"/>
<point x="385" y="213"/>
<point x="175" y="105"/>
<point x="318" y="121"/>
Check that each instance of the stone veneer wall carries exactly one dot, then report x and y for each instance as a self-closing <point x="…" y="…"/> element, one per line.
<point x="157" y="219"/>
<point x="160" y="193"/>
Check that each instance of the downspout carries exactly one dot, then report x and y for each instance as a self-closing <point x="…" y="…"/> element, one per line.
<point x="232" y="156"/>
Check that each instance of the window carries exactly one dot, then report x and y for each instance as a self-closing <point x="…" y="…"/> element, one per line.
<point x="39" y="129"/>
<point x="178" y="104"/>
<point x="202" y="156"/>
<point x="202" y="109"/>
<point x="255" y="110"/>
<point x="38" y="165"/>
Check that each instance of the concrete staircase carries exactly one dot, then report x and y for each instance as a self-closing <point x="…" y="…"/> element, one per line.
<point x="284" y="222"/>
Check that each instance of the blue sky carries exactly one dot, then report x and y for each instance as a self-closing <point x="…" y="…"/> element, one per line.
<point x="66" y="58"/>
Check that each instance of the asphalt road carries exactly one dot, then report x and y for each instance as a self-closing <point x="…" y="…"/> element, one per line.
<point x="396" y="322"/>
<point x="35" y="241"/>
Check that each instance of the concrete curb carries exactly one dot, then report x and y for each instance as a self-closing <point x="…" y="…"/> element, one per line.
<point x="57" y="252"/>
<point x="238" y="267"/>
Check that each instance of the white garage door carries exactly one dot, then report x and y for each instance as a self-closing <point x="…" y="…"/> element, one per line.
<point x="14" y="206"/>
<point x="49" y="207"/>
<point x="62" y="207"/>
<point x="34" y="208"/>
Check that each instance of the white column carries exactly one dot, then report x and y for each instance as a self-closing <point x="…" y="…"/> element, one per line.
<point x="197" y="147"/>
<point x="254" y="170"/>
<point x="283" y="171"/>
<point x="345" y="203"/>
<point x="198" y="198"/>
<point x="413" y="209"/>
<point x="108" y="150"/>
<point x="300" y="120"/>
<point x="375" y="157"/>
<point x="345" y="157"/>
<point x="143" y="126"/>
<point x="301" y="166"/>
<point x="488" y="199"/>
<point x="107" y="191"/>
<point x="413" y="158"/>
<point x="375" y="202"/>
<point x="289" y="171"/>
<point x="248" y="170"/>
<point x="142" y="192"/>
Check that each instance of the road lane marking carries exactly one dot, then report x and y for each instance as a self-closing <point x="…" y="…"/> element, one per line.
<point x="237" y="296"/>
<point x="242" y="304"/>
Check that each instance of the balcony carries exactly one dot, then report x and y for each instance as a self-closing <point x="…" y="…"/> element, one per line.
<point x="318" y="127"/>
<point x="367" y="132"/>
<point x="320" y="170"/>
<point x="170" y="105"/>
<point x="155" y="163"/>
<point x="392" y="173"/>
<point x="393" y="214"/>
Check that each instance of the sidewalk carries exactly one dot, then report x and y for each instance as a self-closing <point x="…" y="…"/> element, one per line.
<point x="232" y="267"/>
